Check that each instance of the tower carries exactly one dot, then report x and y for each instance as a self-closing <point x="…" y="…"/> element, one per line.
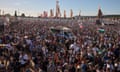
<point x="64" y="13"/>
<point x="45" y="13"/>
<point x="99" y="13"/>
<point x="51" y="13"/>
<point x="0" y="12"/>
<point x="3" y="12"/>
<point x="58" y="14"/>
<point x="99" y="16"/>
<point x="71" y="13"/>
<point x="80" y="13"/>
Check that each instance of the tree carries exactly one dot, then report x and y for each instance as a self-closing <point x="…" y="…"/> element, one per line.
<point x="15" y="14"/>
<point x="22" y="15"/>
<point x="8" y="15"/>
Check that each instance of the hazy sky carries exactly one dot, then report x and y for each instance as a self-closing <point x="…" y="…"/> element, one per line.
<point x="35" y="7"/>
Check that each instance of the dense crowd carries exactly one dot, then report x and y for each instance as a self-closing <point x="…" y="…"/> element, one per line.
<point x="28" y="46"/>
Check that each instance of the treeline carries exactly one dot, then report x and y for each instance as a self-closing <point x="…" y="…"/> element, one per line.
<point x="109" y="16"/>
<point x="104" y="16"/>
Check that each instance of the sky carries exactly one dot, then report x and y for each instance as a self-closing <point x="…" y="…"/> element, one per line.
<point x="36" y="7"/>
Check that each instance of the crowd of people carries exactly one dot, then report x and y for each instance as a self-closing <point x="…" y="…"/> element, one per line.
<point x="29" y="46"/>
